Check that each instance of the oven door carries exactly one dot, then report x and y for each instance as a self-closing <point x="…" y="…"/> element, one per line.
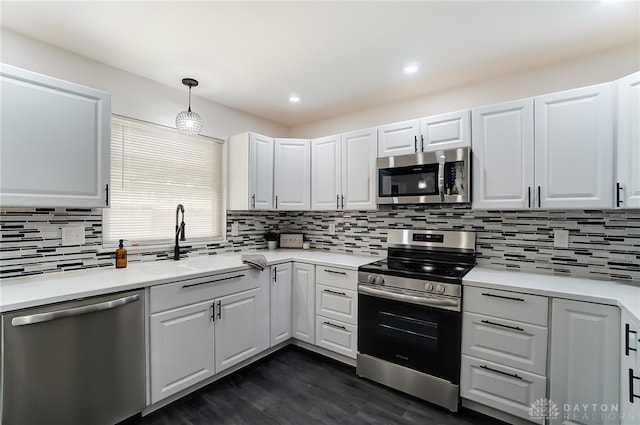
<point x="416" y="336"/>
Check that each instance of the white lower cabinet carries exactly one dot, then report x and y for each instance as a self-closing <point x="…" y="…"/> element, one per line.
<point x="585" y="362"/>
<point x="280" y="311"/>
<point x="181" y="348"/>
<point x="504" y="350"/>
<point x="630" y="369"/>
<point x="198" y="327"/>
<point x="337" y="310"/>
<point x="303" y="313"/>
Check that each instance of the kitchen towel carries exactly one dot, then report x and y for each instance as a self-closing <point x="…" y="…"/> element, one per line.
<point x="257" y="261"/>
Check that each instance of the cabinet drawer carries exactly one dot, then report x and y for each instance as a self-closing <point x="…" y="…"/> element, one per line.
<point x="340" y="278"/>
<point x="337" y="303"/>
<point x="503" y="388"/>
<point x="337" y="336"/>
<point x="507" y="305"/>
<point x="190" y="291"/>
<point x="506" y="342"/>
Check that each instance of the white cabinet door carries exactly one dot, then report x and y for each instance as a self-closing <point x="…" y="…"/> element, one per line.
<point x="326" y="168"/>
<point x="292" y="174"/>
<point x="585" y="360"/>
<point x="181" y="348"/>
<point x="628" y="169"/>
<point x="241" y="328"/>
<point x="303" y="303"/>
<point x="261" y="172"/>
<point x="280" y="294"/>
<point x="630" y="369"/>
<point x="574" y="148"/>
<point x="55" y="141"/>
<point x="503" y="156"/>
<point x="400" y="138"/>
<point x="446" y="131"/>
<point x="359" y="170"/>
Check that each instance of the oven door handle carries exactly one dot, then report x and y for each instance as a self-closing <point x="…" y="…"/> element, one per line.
<point x="435" y="302"/>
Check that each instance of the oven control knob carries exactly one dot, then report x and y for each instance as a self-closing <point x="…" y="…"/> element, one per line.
<point x="371" y="278"/>
<point x="428" y="286"/>
<point x="440" y="288"/>
<point x="379" y="280"/>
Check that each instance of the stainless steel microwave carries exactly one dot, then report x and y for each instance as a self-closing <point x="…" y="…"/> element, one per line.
<point x="439" y="177"/>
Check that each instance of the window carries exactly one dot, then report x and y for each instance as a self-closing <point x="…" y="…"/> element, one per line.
<point x="153" y="169"/>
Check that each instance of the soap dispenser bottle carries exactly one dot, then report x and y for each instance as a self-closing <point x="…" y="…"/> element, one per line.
<point x="121" y="256"/>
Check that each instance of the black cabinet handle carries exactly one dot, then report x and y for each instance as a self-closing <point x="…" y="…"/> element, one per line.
<point x="631" y="379"/>
<point x="515" y="328"/>
<point x="334" y="326"/>
<point x="253" y="200"/>
<point x="334" y="272"/>
<point x="627" y="339"/>
<point x="502" y="297"/>
<point x="213" y="312"/>
<point x="342" y="200"/>
<point x="337" y="202"/>
<point x="528" y="196"/>
<point x="618" y="189"/>
<point x="212" y="281"/>
<point x="275" y="274"/>
<point x="415" y="143"/>
<point x="276" y="201"/>
<point x="538" y="196"/>
<point x="513" y="375"/>
<point x="329" y="291"/>
<point x="219" y="309"/>
<point x="106" y="192"/>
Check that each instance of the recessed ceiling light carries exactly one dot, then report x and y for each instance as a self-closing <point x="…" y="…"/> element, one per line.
<point x="294" y="99"/>
<point x="410" y="69"/>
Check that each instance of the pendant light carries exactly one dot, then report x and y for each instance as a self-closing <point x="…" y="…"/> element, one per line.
<point x="188" y="122"/>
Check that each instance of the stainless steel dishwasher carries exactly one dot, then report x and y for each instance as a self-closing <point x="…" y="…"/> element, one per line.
<point x="79" y="362"/>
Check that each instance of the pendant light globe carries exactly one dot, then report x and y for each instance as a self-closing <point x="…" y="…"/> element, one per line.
<point x="189" y="122"/>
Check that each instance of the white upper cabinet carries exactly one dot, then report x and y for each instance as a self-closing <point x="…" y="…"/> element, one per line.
<point x="628" y="178"/>
<point x="326" y="177"/>
<point x="344" y="171"/>
<point x="250" y="172"/>
<point x="567" y="164"/>
<point x="359" y="170"/>
<point x="55" y="142"/>
<point x="292" y="174"/>
<point x="400" y="138"/>
<point x="574" y="148"/>
<point x="446" y="131"/>
<point x="503" y="155"/>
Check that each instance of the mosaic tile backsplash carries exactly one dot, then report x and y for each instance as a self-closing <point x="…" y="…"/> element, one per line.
<point x="602" y="244"/>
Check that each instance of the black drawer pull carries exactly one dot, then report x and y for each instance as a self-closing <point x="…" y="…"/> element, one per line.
<point x="212" y="281"/>
<point x="513" y="375"/>
<point x="631" y="378"/>
<point x="334" y="326"/>
<point x="219" y="309"/>
<point x="335" y="272"/>
<point x="627" y="339"/>
<point x="515" y="328"/>
<point x="503" y="297"/>
<point x="329" y="291"/>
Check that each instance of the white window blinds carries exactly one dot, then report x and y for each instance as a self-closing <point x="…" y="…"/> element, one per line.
<point x="153" y="169"/>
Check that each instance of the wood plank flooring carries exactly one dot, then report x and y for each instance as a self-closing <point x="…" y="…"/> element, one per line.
<point x="295" y="387"/>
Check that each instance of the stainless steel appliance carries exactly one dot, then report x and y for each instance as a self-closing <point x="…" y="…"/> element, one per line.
<point x="425" y="178"/>
<point x="80" y="362"/>
<point x="409" y="314"/>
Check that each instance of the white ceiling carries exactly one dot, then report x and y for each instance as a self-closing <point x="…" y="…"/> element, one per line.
<point x="338" y="56"/>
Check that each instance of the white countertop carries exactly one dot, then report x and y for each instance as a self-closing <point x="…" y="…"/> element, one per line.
<point x="31" y="291"/>
<point x="598" y="291"/>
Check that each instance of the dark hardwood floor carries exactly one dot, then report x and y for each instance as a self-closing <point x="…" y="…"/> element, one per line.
<point x="295" y="386"/>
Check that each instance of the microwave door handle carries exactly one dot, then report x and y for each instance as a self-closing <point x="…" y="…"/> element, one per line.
<point x="441" y="175"/>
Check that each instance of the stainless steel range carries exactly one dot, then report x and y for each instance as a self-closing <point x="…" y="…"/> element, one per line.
<point x="409" y="314"/>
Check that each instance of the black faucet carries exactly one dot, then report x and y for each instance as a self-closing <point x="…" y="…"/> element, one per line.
<point x="179" y="231"/>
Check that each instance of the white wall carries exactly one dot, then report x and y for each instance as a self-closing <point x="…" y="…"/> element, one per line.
<point x="131" y="95"/>
<point x="577" y="72"/>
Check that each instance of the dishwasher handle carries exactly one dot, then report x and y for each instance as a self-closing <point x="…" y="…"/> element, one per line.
<point x="59" y="314"/>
